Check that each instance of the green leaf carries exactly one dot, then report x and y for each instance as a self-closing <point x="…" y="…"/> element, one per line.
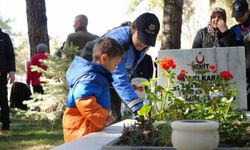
<point x="145" y="110"/>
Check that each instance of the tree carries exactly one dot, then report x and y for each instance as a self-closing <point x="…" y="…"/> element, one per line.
<point x="151" y="4"/>
<point x="37" y="23"/>
<point x="211" y="2"/>
<point x="49" y="107"/>
<point x="172" y="22"/>
<point x="5" y="25"/>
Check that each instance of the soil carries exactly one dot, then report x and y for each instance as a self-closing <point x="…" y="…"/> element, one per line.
<point x="243" y="142"/>
<point x="230" y="142"/>
<point x="235" y="142"/>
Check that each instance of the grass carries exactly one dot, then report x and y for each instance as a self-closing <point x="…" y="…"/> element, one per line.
<point x="31" y="135"/>
<point x="34" y="135"/>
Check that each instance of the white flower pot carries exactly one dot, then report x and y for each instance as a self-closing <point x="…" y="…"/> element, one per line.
<point x="195" y="134"/>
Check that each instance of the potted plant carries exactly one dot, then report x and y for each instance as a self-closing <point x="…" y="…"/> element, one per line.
<point x="188" y="97"/>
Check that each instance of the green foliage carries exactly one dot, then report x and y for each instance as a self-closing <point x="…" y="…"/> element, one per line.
<point x="5" y="25"/>
<point x="188" y="8"/>
<point x="21" y="51"/>
<point x="146" y="132"/>
<point x="132" y="5"/>
<point x="50" y="105"/>
<point x="174" y="99"/>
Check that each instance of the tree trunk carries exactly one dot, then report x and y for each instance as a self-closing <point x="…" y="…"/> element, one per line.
<point x="172" y="21"/>
<point x="37" y="24"/>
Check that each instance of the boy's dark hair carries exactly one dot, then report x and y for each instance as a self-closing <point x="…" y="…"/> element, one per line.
<point x="109" y="46"/>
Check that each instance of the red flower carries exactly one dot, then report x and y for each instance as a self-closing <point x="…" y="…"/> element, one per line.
<point x="226" y="75"/>
<point x="167" y="63"/>
<point x="140" y="89"/>
<point x="135" y="87"/>
<point x="212" y="68"/>
<point x="182" y="74"/>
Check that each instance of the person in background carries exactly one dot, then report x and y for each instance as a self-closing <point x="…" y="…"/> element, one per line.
<point x="81" y="36"/>
<point x="33" y="77"/>
<point x="145" y="68"/>
<point x="88" y="100"/>
<point x="58" y="53"/>
<point x="7" y="73"/>
<point x="136" y="40"/>
<point x="211" y="36"/>
<point x="143" y="72"/>
<point x="239" y="35"/>
<point x="156" y="69"/>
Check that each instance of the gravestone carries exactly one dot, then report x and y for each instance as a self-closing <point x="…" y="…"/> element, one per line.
<point x="140" y="90"/>
<point x="224" y="58"/>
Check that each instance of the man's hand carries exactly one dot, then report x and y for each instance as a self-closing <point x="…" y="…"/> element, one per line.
<point x="110" y="120"/>
<point x="247" y="38"/>
<point x="11" y="77"/>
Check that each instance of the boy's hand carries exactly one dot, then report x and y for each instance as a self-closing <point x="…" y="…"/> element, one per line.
<point x="109" y="120"/>
<point x="11" y="77"/>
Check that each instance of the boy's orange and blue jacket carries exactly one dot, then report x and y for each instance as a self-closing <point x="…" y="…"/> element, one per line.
<point x="88" y="100"/>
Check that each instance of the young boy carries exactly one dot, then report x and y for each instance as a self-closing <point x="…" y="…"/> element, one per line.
<point x="136" y="40"/>
<point x="88" y="101"/>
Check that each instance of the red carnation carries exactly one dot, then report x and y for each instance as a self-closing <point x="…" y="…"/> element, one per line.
<point x="135" y="87"/>
<point x="212" y="68"/>
<point x="226" y="75"/>
<point x="141" y="89"/>
<point x="167" y="63"/>
<point x="182" y="75"/>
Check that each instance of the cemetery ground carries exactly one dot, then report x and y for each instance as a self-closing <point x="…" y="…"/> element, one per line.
<point x="31" y="135"/>
<point x="34" y="135"/>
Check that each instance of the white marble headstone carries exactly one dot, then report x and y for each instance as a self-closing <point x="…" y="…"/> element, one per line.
<point x="224" y="58"/>
<point x="140" y="90"/>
